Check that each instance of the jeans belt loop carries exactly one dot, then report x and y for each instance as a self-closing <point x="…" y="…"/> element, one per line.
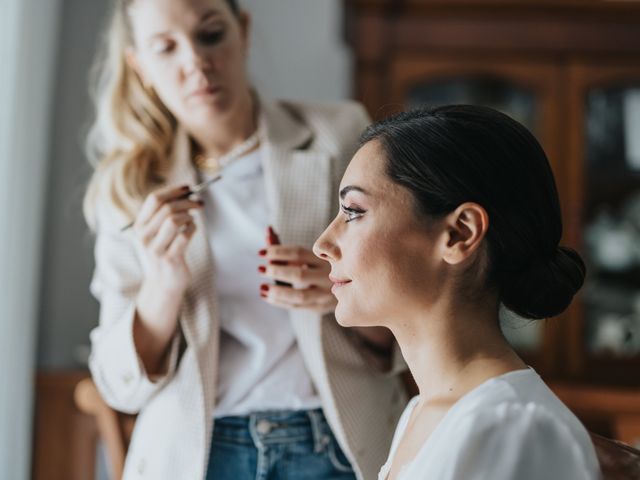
<point x="320" y="440"/>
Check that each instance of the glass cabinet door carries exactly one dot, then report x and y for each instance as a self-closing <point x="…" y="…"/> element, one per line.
<point x="608" y="159"/>
<point x="612" y="221"/>
<point x="492" y="91"/>
<point x="526" y="92"/>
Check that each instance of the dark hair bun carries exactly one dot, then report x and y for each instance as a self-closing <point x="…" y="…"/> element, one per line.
<point x="546" y="286"/>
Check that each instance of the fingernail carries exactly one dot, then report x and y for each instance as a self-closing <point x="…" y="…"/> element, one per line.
<point x="262" y="269"/>
<point x="264" y="287"/>
<point x="185" y="188"/>
<point x="200" y="202"/>
<point x="263" y="295"/>
<point x="262" y="252"/>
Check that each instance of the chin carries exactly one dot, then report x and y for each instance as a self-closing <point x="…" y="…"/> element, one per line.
<point x="348" y="317"/>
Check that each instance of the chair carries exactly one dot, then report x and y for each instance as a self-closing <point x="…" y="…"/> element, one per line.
<point x="618" y="461"/>
<point x="114" y="428"/>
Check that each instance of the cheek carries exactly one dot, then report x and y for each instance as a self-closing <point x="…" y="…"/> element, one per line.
<point x="388" y="276"/>
<point x="231" y="65"/>
<point x="376" y="279"/>
<point x="166" y="78"/>
<point x="229" y="56"/>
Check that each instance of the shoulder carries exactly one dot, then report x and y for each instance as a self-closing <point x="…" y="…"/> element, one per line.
<point x="524" y="440"/>
<point x="338" y="123"/>
<point x="343" y="111"/>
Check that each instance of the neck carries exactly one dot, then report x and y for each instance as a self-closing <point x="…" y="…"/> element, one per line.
<point x="454" y="348"/>
<point x="219" y="137"/>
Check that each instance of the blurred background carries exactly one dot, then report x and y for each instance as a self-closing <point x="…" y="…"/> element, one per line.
<point x="568" y="69"/>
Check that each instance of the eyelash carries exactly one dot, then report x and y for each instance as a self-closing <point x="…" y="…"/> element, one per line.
<point x="351" y="213"/>
<point x="165" y="48"/>
<point x="211" y="38"/>
<point x="205" y="38"/>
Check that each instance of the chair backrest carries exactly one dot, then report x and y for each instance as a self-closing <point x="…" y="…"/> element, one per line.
<point x="618" y="461"/>
<point x="114" y="428"/>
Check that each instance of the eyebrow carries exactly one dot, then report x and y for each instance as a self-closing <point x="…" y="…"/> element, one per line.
<point x="350" y="188"/>
<point x="209" y="14"/>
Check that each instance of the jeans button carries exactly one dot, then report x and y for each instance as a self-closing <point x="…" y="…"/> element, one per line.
<point x="263" y="427"/>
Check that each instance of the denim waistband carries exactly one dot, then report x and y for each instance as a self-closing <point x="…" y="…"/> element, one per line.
<point x="273" y="427"/>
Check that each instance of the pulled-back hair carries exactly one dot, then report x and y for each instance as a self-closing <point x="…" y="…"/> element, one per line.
<point x="450" y="155"/>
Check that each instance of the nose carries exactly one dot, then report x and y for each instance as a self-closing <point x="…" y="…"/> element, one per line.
<point x="325" y="247"/>
<point x="195" y="59"/>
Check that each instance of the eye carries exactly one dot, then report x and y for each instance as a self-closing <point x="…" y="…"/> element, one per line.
<point x="162" y="47"/>
<point x="351" y="213"/>
<point x="211" y="37"/>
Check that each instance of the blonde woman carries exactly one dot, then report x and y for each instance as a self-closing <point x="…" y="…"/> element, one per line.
<point x="232" y="375"/>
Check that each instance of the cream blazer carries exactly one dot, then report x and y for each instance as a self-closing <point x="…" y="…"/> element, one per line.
<point x="307" y="148"/>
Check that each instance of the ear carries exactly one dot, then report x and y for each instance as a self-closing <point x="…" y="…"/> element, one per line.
<point x="132" y="60"/>
<point x="466" y="227"/>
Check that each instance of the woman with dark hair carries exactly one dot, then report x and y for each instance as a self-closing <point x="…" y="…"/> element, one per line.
<point x="446" y="214"/>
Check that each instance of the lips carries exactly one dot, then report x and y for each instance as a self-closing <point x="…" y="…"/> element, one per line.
<point x="338" y="282"/>
<point x="207" y="90"/>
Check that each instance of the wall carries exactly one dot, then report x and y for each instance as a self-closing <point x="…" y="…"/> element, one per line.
<point x="28" y="30"/>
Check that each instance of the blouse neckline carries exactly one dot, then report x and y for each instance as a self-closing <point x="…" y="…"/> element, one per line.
<point x="461" y="403"/>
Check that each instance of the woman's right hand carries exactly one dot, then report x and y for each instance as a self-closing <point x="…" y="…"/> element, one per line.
<point x="164" y="228"/>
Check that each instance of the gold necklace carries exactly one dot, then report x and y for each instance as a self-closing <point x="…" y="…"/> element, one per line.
<point x="213" y="165"/>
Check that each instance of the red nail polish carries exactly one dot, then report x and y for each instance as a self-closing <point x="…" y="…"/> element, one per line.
<point x="262" y="252"/>
<point x="262" y="269"/>
<point x="185" y="188"/>
<point x="200" y="202"/>
<point x="264" y="287"/>
<point x="272" y="236"/>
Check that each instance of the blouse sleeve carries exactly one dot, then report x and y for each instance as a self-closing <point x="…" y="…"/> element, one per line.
<point x="516" y="441"/>
<point x="114" y="363"/>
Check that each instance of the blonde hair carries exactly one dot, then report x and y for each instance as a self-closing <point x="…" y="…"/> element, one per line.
<point x="130" y="139"/>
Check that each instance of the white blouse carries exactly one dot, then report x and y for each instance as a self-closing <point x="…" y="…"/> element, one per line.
<point x="509" y="427"/>
<point x="260" y="366"/>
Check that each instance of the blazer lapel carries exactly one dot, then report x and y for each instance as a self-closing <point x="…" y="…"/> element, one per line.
<point x="298" y="183"/>
<point x="199" y="319"/>
<point x="298" y="178"/>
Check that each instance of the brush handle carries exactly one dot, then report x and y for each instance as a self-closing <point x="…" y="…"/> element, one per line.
<point x="193" y="191"/>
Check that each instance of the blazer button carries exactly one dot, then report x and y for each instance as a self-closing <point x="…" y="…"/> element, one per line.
<point x="141" y="466"/>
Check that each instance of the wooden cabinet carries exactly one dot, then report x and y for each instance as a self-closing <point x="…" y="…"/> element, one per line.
<point x="64" y="439"/>
<point x="570" y="71"/>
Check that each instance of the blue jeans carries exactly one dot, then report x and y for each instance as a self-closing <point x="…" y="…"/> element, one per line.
<point x="280" y="445"/>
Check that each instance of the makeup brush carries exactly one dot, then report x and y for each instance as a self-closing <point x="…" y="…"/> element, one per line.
<point x="192" y="191"/>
